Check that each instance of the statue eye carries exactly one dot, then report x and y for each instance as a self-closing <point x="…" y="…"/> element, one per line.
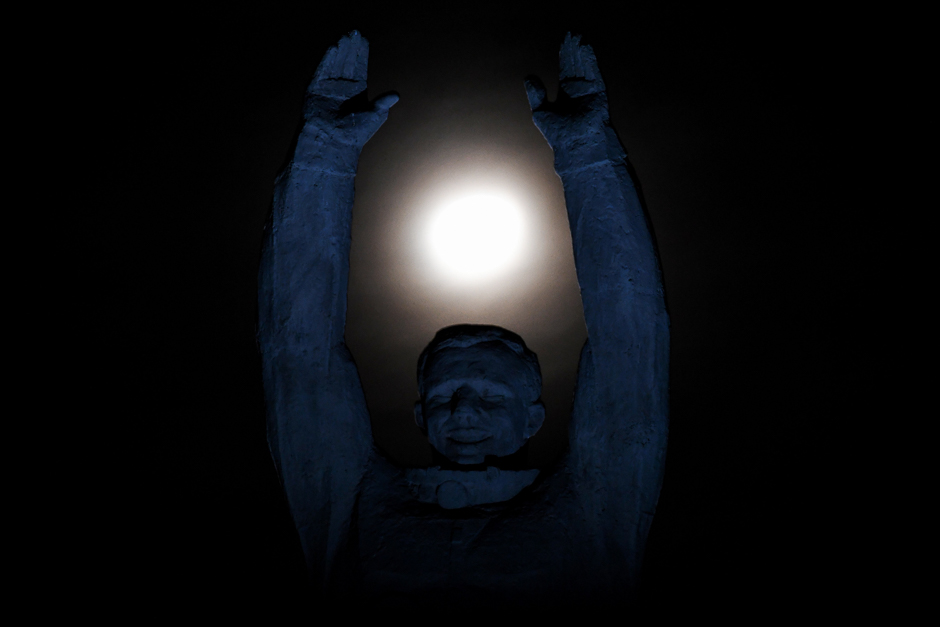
<point x="494" y="398"/>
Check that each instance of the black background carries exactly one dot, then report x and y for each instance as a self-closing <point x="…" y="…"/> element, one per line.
<point x="725" y="117"/>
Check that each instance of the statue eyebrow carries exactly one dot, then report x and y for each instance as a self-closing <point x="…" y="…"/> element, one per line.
<point x="450" y="385"/>
<point x="447" y="386"/>
<point x="499" y="387"/>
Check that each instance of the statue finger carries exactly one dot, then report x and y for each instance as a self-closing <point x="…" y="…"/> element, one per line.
<point x="342" y="72"/>
<point x="569" y="58"/>
<point x="353" y="56"/>
<point x="591" y="72"/>
<point x="325" y="69"/>
<point x="579" y="73"/>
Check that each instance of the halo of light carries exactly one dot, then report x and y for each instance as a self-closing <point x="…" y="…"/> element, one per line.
<point x="476" y="237"/>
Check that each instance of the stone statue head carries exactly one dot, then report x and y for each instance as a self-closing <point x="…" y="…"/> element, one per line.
<point x="479" y="388"/>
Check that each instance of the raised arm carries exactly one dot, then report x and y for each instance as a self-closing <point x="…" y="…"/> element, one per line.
<point x="620" y="421"/>
<point x="318" y="427"/>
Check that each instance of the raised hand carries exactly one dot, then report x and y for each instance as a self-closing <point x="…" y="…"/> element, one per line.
<point x="580" y="111"/>
<point x="336" y="103"/>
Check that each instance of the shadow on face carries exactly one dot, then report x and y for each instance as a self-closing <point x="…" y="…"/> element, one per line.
<point x="478" y="401"/>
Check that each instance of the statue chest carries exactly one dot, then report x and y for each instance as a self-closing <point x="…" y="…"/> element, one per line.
<point x="458" y="549"/>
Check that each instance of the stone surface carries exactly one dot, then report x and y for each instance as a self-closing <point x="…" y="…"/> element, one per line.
<point x="475" y="531"/>
<point x="455" y="489"/>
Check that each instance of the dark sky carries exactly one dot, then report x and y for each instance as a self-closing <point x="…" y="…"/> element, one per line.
<point x="718" y="111"/>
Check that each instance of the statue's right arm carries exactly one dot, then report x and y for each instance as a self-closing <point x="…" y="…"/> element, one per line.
<point x="317" y="423"/>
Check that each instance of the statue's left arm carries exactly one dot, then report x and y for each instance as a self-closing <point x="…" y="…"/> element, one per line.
<point x="620" y="420"/>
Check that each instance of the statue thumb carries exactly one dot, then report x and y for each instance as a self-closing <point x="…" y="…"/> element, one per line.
<point x="385" y="102"/>
<point x="535" y="90"/>
<point x="376" y="114"/>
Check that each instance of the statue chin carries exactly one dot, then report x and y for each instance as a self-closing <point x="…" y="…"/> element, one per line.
<point x="479" y="459"/>
<point x="471" y="453"/>
<point x="467" y="454"/>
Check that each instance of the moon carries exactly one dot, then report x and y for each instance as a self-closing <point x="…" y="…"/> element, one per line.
<point x="476" y="237"/>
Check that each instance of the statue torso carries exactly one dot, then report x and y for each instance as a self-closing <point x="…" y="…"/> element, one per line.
<point x="409" y="547"/>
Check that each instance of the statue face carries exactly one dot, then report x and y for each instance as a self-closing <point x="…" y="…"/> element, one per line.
<point x="476" y="403"/>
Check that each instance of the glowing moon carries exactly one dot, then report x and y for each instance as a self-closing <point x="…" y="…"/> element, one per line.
<point x="476" y="237"/>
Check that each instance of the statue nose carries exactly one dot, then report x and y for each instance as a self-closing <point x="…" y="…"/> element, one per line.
<point x="464" y="404"/>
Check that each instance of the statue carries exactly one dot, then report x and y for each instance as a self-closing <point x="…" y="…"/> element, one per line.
<point x="479" y="527"/>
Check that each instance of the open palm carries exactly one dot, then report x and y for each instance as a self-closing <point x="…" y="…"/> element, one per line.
<point x="580" y="111"/>
<point x="336" y="101"/>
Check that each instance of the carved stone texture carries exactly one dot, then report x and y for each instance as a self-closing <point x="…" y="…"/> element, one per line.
<point x="475" y="530"/>
<point x="456" y="489"/>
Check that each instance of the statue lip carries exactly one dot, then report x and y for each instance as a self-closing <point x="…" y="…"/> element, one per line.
<point x="468" y="436"/>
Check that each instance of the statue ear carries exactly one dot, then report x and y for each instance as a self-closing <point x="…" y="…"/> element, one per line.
<point x="419" y="417"/>
<point x="536" y="418"/>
